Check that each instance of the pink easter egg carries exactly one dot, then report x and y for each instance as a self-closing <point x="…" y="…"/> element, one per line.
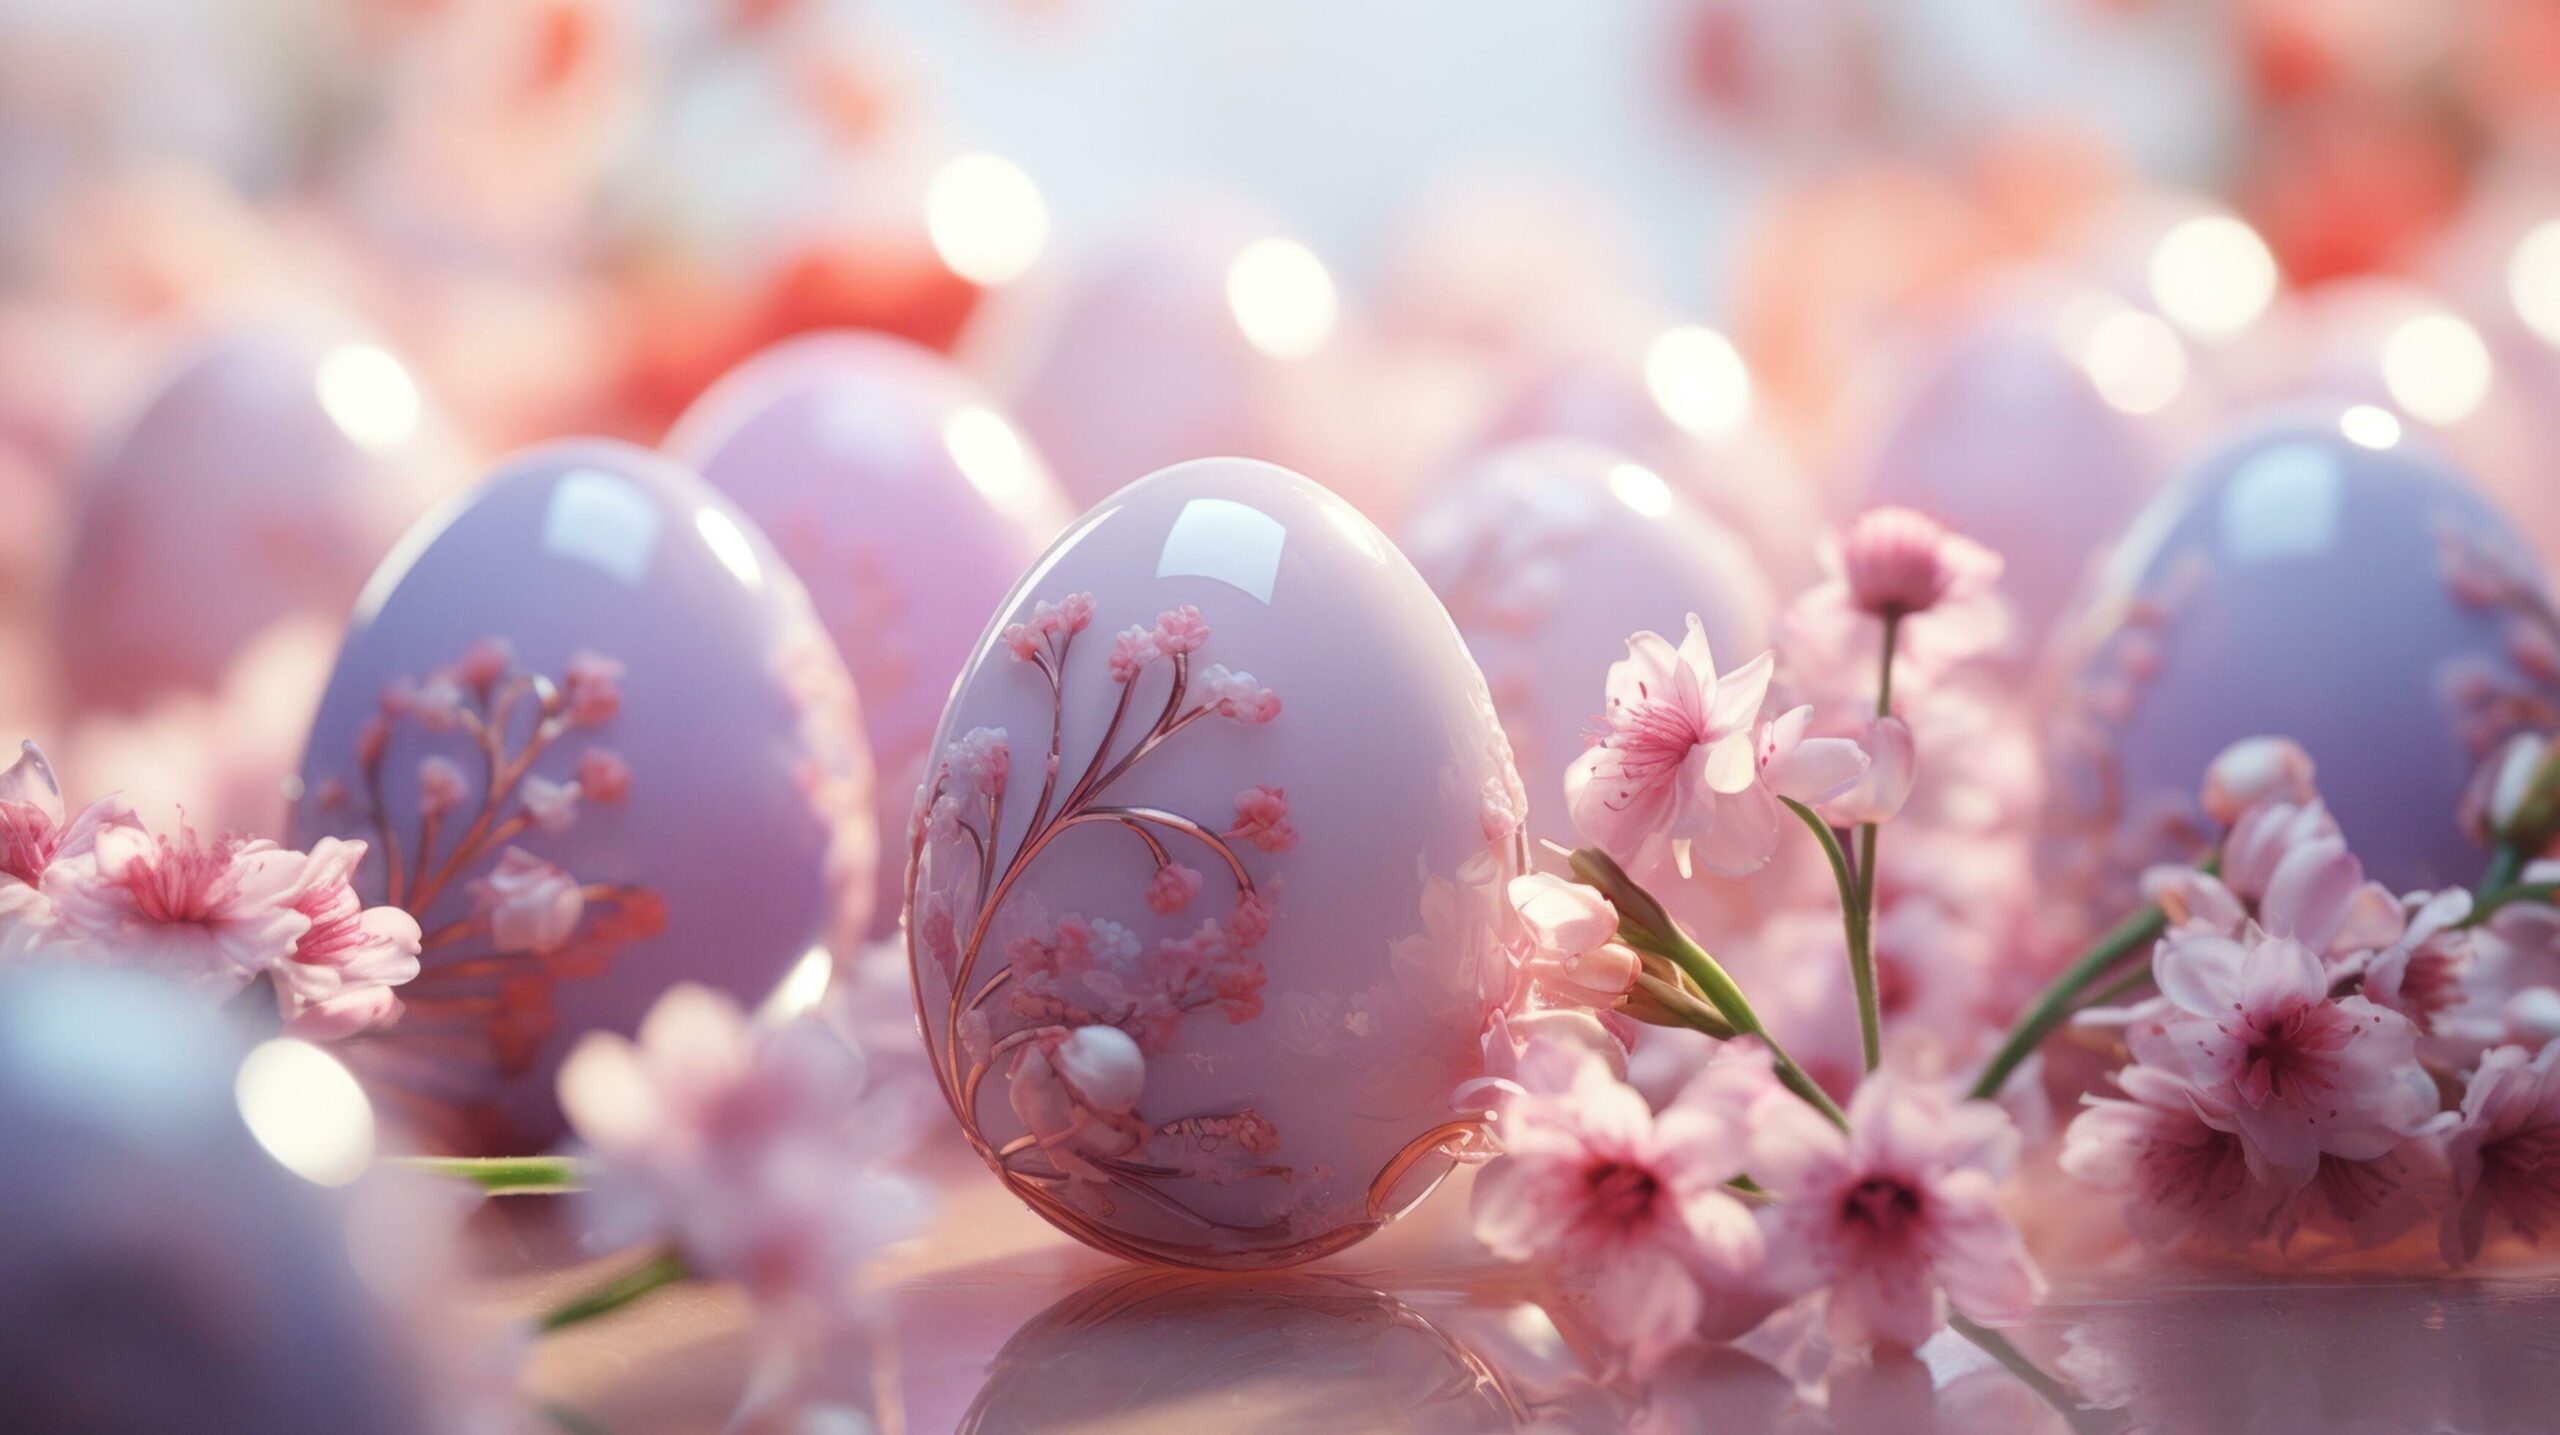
<point x="598" y="744"/>
<point x="1208" y="876"/>
<point x="906" y="502"/>
<point x="265" y="478"/>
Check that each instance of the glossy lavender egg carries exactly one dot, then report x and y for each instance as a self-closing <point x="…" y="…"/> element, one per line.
<point x="2325" y="577"/>
<point x="268" y="474"/>
<point x="163" y="1272"/>
<point x="1201" y="984"/>
<point x="906" y="503"/>
<point x="680" y="790"/>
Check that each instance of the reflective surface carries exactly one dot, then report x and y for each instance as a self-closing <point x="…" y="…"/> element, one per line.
<point x="655" y="777"/>
<point x="1271" y="941"/>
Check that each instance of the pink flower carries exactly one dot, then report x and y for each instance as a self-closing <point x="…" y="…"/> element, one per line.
<point x="1677" y="774"/>
<point x="214" y="914"/>
<point x="591" y="688"/>
<point x="2251" y="1025"/>
<point x="552" y="805"/>
<point x="1063" y="619"/>
<point x="1812" y="770"/>
<point x="1899" y="562"/>
<point x="342" y="972"/>
<point x="2504" y="1154"/>
<point x="1262" y="818"/>
<point x="758" y="1151"/>
<point x="1024" y="642"/>
<point x="980" y="762"/>
<point x="1131" y="651"/>
<point x="437" y="706"/>
<point x="1077" y="1093"/>
<point x="1574" y="954"/>
<point x="1616" y="1199"/>
<point x="1172" y="888"/>
<point x="36" y="830"/>
<point x="1181" y="630"/>
<point x="2176" y="1158"/>
<point x="2254" y="771"/>
<point x="1886" y="1216"/>
<point x="532" y="905"/>
<point x="441" y="786"/>
<point x="1236" y="695"/>
<point x="488" y="660"/>
<point x="603" y="776"/>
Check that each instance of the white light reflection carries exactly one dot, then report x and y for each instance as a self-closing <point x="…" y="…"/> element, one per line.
<point x="1698" y="378"/>
<point x="729" y="543"/>
<point x="2213" y="276"/>
<point x="2369" y="426"/>
<point x="1641" y="489"/>
<point x="2533" y="279"/>
<point x="2136" y="361"/>
<point x="1282" y="297"/>
<point x="368" y="395"/>
<point x="306" y="1111"/>
<point x="801" y="988"/>
<point x="991" y="456"/>
<point x="986" y="219"/>
<point x="2437" y="368"/>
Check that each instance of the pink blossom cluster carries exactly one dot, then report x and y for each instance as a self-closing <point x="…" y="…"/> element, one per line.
<point x="1092" y="971"/>
<point x="2326" y="1065"/>
<point x="215" y="914"/>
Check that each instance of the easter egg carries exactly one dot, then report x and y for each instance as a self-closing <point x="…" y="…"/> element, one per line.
<point x="1208" y="876"/>
<point x="269" y="473"/>
<point x="2324" y="577"/>
<point x="164" y="1271"/>
<point x="905" y="502"/>
<point x="598" y="744"/>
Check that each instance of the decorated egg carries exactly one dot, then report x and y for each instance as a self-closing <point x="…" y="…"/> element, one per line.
<point x="1209" y="876"/>
<point x="165" y="1272"/>
<point x="267" y="476"/>
<point x="906" y="503"/>
<point x="2326" y="578"/>
<point x="596" y="742"/>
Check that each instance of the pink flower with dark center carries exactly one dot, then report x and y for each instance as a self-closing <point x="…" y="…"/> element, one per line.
<point x="591" y="688"/>
<point x="1620" y="1201"/>
<point x="214" y="914"/>
<point x="1677" y="773"/>
<point x="1899" y="562"/>
<point x="1887" y="1216"/>
<point x="1262" y="818"/>
<point x="603" y="776"/>
<point x="340" y="979"/>
<point x="2504" y="1155"/>
<point x="2175" y="1157"/>
<point x="1172" y="888"/>
<point x="1236" y="695"/>
<point x="1181" y="630"/>
<point x="1131" y="651"/>
<point x="532" y="905"/>
<point x="2251" y="1025"/>
<point x="441" y="786"/>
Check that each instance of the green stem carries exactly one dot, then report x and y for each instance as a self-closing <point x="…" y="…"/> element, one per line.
<point x="2051" y="1391"/>
<point x="2492" y="899"/>
<point x="1854" y="922"/>
<point x="1870" y="1018"/>
<point x="1726" y="997"/>
<point x="2053" y="1006"/>
<point x="1679" y="1001"/>
<point x="663" y="1269"/>
<point x="2505" y="861"/>
<point x="504" y="1175"/>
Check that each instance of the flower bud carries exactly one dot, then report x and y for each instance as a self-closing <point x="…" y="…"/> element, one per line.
<point x="2255" y="770"/>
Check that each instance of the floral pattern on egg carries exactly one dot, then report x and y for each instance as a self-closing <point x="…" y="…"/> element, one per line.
<point x="595" y="744"/>
<point x="1178" y="992"/>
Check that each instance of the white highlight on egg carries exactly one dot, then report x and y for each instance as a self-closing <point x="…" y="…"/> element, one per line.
<point x="306" y="1111"/>
<point x="1282" y="297"/>
<point x="729" y="543"/>
<point x="801" y="988"/>
<point x="2437" y="368"/>
<point x="2533" y="279"/>
<point x="1641" y="489"/>
<point x="991" y="455"/>
<point x="368" y="395"/>
<point x="2212" y="275"/>
<point x="2135" y="360"/>
<point x="1698" y="378"/>
<point x="986" y="219"/>
<point x="2370" y="426"/>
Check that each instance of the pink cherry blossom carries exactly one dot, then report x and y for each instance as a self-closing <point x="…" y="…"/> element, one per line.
<point x="1808" y="769"/>
<point x="552" y="805"/>
<point x="2255" y="771"/>
<point x="1173" y="887"/>
<point x="1620" y="1201"/>
<point x="1180" y="630"/>
<point x="591" y="688"/>
<point x="1024" y="642"/>
<point x="340" y="978"/>
<point x="980" y="762"/>
<point x="2176" y="1158"/>
<point x="1236" y="695"/>
<point x="1574" y="954"/>
<point x="441" y="786"/>
<point x="37" y="830"/>
<point x="1891" y="767"/>
<point x="1131" y="651"/>
<point x="1898" y="562"/>
<point x="1900" y="1208"/>
<point x="437" y="704"/>
<point x="214" y="914"/>
<point x="532" y="905"/>
<point x="1262" y="818"/>
<point x="2250" y="1023"/>
<point x="484" y="663"/>
<point x="2504" y="1153"/>
<point x="603" y="776"/>
<point x="1676" y="776"/>
<point x="2369" y="1202"/>
<point x="759" y="1152"/>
